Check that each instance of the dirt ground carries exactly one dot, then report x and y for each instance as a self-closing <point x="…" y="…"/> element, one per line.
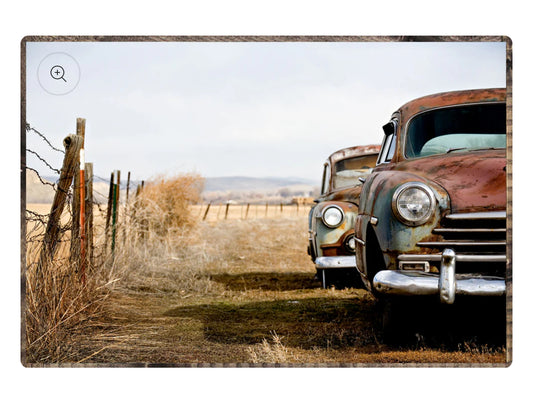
<point x="276" y="318"/>
<point x="242" y="292"/>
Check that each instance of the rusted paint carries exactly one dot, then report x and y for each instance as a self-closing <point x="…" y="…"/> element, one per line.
<point x="330" y="241"/>
<point x="344" y="154"/>
<point x="463" y="182"/>
<point x="337" y="248"/>
<point x="474" y="181"/>
<point x="355" y="151"/>
<point x="350" y="194"/>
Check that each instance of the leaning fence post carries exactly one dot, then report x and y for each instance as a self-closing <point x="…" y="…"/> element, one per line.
<point x="247" y="209"/>
<point x="227" y="209"/>
<point x="116" y="205"/>
<point x="72" y="145"/>
<point x="109" y="208"/>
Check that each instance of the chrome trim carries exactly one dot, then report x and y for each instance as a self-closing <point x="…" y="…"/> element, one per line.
<point x="325" y="263"/>
<point x="401" y="264"/>
<point x="405" y="283"/>
<point x="492" y="215"/>
<point x="359" y="241"/>
<point x="447" y="283"/>
<point x="498" y="258"/>
<point x="396" y="282"/>
<point x="459" y="243"/>
<point x="469" y="230"/>
<point x="374" y="220"/>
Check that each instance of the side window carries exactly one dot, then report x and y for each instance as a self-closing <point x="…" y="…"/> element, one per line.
<point x="326" y="176"/>
<point x="389" y="143"/>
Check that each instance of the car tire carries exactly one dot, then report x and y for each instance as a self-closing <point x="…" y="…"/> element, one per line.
<point x="397" y="318"/>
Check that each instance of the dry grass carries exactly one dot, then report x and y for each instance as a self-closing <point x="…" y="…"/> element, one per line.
<point x="58" y="305"/>
<point x="243" y="292"/>
<point x="274" y="352"/>
<point x="230" y="291"/>
<point x="163" y="206"/>
<point x="61" y="305"/>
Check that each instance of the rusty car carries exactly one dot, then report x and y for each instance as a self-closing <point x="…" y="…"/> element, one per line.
<point x="331" y="220"/>
<point x="432" y="214"/>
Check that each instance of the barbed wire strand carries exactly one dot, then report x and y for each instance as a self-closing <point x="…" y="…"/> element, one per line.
<point x="30" y="128"/>
<point x="44" y="161"/>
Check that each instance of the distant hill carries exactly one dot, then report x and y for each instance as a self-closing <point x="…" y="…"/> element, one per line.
<point x="239" y="183"/>
<point x="38" y="191"/>
<point x="216" y="189"/>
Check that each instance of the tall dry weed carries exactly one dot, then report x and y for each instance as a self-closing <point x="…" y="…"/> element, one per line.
<point x="161" y="251"/>
<point x="163" y="206"/>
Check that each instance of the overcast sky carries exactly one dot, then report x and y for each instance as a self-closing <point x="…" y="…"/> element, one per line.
<point x="242" y="108"/>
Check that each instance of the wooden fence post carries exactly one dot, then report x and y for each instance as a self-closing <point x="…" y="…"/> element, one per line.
<point x="72" y="145"/>
<point x="227" y="209"/>
<point x="128" y="188"/>
<point x="142" y="222"/>
<point x="266" y="209"/>
<point x="247" y="209"/>
<point x="207" y="211"/>
<point x="76" y="203"/>
<point x="126" y="209"/>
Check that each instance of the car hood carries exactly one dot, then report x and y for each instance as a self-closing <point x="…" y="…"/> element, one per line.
<point x="474" y="180"/>
<point x="349" y="194"/>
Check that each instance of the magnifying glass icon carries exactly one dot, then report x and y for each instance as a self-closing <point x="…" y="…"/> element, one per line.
<point x="58" y="73"/>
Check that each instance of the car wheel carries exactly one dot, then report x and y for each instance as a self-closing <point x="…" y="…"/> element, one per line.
<point x="389" y="321"/>
<point x="397" y="319"/>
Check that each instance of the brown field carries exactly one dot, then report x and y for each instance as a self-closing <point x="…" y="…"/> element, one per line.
<point x="242" y="291"/>
<point x="244" y="212"/>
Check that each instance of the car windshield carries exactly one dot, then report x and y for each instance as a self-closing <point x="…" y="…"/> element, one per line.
<point x="348" y="171"/>
<point x="471" y="127"/>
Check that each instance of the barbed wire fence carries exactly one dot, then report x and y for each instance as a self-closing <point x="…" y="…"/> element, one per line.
<point x="68" y="258"/>
<point x="60" y="234"/>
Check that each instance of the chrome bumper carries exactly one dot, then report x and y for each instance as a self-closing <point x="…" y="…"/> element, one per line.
<point x="345" y="261"/>
<point x="446" y="285"/>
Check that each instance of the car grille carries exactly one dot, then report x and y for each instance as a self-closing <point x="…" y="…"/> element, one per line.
<point x="479" y="239"/>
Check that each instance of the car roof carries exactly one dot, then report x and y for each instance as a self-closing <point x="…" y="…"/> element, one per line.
<point x="355" y="151"/>
<point x="451" y="98"/>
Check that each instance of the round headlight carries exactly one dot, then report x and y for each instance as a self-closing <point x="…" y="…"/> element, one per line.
<point x="413" y="203"/>
<point x="349" y="243"/>
<point x="332" y="216"/>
